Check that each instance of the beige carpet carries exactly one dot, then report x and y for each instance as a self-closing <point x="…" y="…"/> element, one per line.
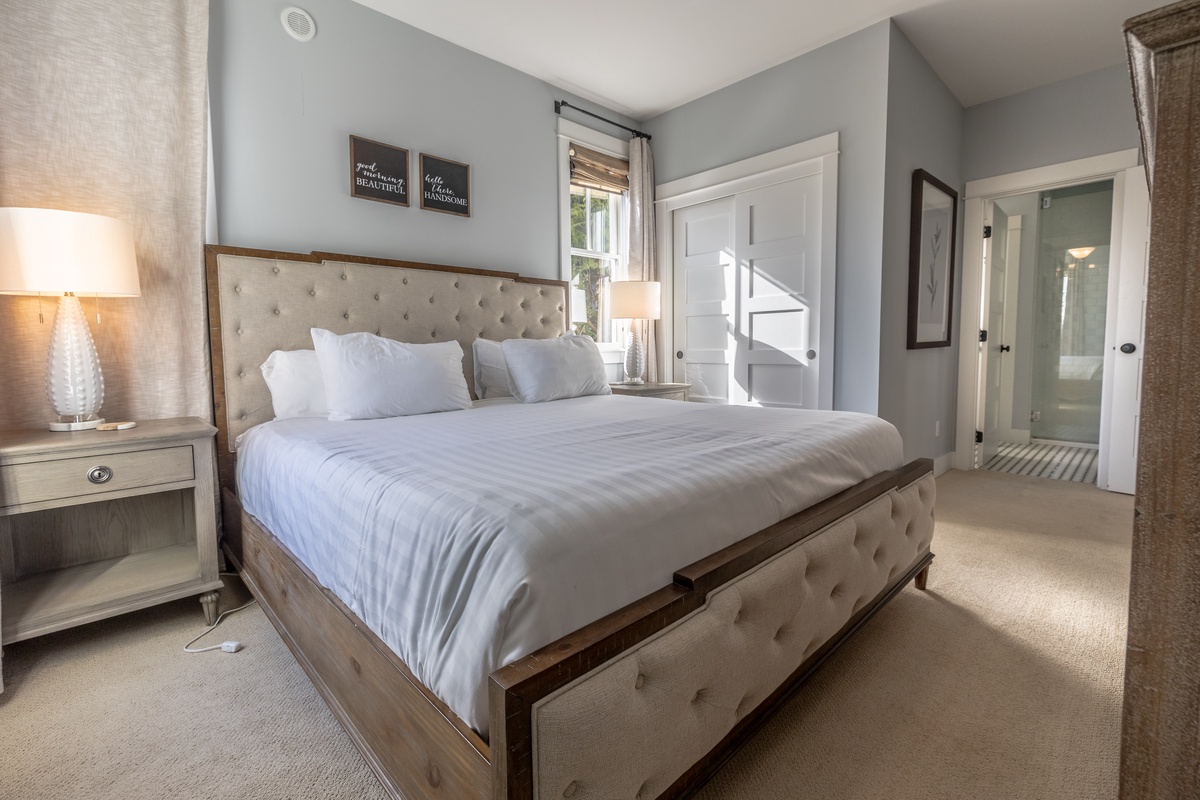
<point x="1003" y="681"/>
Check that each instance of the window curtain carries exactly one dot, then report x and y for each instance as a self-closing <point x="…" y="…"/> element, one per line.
<point x="643" y="259"/>
<point x="105" y="111"/>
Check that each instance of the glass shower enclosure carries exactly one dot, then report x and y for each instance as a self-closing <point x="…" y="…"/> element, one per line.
<point x="1071" y="302"/>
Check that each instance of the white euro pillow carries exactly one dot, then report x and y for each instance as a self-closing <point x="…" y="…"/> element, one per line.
<point x="294" y="379"/>
<point x="554" y="369"/>
<point x="369" y="377"/>
<point x="491" y="370"/>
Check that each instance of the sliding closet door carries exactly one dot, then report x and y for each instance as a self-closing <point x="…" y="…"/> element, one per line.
<point x="777" y="247"/>
<point x="747" y="276"/>
<point x="705" y="281"/>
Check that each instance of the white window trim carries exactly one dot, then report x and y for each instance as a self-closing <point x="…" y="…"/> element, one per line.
<point x="574" y="132"/>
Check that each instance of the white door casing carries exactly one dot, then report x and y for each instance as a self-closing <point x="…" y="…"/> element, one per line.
<point x="1121" y="400"/>
<point x="777" y="275"/>
<point x="978" y="193"/>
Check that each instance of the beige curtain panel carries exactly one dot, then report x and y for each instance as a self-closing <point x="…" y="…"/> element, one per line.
<point x="643" y="262"/>
<point x="104" y="111"/>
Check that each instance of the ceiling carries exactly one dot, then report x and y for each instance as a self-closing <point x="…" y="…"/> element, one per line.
<point x="673" y="51"/>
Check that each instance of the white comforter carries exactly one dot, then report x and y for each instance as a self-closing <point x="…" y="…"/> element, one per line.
<point x="468" y="539"/>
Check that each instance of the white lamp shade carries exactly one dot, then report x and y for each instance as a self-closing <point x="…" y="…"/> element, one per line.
<point x="635" y="299"/>
<point x="44" y="251"/>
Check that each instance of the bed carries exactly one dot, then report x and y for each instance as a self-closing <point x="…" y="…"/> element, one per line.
<point x="644" y="697"/>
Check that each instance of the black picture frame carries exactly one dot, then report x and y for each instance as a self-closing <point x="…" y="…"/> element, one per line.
<point x="378" y="171"/>
<point x="931" y="248"/>
<point x="445" y="186"/>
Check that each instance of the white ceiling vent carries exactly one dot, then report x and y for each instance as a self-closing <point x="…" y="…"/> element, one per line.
<point x="298" y="23"/>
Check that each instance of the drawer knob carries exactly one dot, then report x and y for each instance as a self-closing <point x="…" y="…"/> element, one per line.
<point x="100" y="474"/>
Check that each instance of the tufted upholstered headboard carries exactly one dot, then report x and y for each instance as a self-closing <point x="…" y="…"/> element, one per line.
<point x="260" y="301"/>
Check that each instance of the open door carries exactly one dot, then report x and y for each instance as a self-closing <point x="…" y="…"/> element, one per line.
<point x="1123" y="362"/>
<point x="1069" y="275"/>
<point x="992" y="348"/>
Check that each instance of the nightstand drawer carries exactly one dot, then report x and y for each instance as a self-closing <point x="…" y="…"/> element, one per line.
<point x="76" y="477"/>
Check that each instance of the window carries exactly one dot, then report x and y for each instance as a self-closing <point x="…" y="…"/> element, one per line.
<point x="597" y="257"/>
<point x="598" y="238"/>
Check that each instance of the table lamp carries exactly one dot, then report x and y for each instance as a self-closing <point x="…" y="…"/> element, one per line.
<point x="68" y="253"/>
<point x="635" y="301"/>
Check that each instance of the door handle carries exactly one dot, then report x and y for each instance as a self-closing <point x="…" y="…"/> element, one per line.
<point x="1128" y="347"/>
<point x="1004" y="348"/>
<point x="679" y="354"/>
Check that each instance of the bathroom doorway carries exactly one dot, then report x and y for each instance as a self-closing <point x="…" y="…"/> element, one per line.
<point x="1053" y="385"/>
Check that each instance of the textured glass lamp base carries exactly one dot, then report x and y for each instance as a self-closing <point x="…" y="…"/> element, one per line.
<point x="74" y="383"/>
<point x="635" y="354"/>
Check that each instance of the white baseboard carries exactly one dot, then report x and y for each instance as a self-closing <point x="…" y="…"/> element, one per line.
<point x="943" y="463"/>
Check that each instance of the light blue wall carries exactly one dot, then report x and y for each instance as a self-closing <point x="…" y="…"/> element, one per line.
<point x="893" y="115"/>
<point x="917" y="388"/>
<point x="1088" y="115"/>
<point x="840" y="87"/>
<point x="283" y="112"/>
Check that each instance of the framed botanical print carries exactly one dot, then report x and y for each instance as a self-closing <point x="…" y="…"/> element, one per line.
<point x="931" y="261"/>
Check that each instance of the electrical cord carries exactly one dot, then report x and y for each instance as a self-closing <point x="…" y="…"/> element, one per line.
<point x="228" y="647"/>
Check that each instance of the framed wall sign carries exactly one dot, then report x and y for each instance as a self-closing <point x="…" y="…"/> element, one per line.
<point x="931" y="261"/>
<point x="378" y="171"/>
<point x="445" y="185"/>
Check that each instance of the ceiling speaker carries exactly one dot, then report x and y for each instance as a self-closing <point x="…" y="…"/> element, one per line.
<point x="298" y="23"/>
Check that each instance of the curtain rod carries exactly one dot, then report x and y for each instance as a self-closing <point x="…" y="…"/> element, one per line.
<point x="559" y="105"/>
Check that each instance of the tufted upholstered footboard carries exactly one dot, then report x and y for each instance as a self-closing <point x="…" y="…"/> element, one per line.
<point x="657" y="717"/>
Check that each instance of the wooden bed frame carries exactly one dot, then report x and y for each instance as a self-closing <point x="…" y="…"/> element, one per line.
<point x="415" y="744"/>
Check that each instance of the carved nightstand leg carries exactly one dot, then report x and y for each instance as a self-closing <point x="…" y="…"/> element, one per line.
<point x="208" y="602"/>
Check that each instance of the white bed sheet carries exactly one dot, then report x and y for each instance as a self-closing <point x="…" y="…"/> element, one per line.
<point x="468" y="539"/>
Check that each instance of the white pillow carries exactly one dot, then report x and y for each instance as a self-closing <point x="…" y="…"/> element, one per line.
<point x="368" y="377"/>
<point x="491" y="371"/>
<point x="294" y="380"/>
<point x="554" y="369"/>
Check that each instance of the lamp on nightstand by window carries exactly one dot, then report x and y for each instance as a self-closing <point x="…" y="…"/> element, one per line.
<point x="68" y="253"/>
<point x="635" y="301"/>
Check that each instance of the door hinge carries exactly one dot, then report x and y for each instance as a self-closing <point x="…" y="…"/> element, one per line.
<point x="987" y="231"/>
<point x="983" y="336"/>
<point x="978" y="437"/>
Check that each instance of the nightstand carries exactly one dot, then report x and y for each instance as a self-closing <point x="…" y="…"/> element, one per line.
<point x="98" y="523"/>
<point x="667" y="391"/>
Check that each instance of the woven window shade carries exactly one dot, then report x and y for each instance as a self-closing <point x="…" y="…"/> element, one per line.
<point x="595" y="170"/>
